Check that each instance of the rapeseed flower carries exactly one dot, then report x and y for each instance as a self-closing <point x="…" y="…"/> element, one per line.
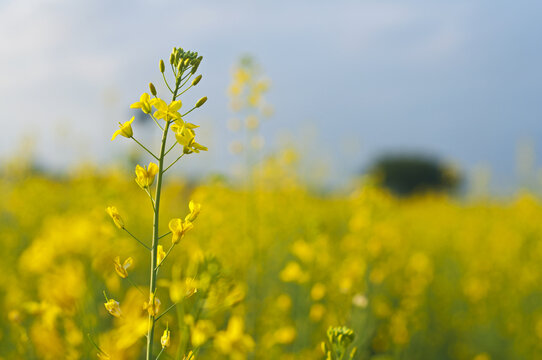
<point x="153" y="305"/>
<point x="145" y="176"/>
<point x="165" y="111"/>
<point x="161" y="254"/>
<point x="165" y="340"/>
<point x="122" y="270"/>
<point x="124" y="129"/>
<point x="195" y="209"/>
<point x="178" y="228"/>
<point x="144" y="103"/>
<point x="113" y="212"/>
<point x="113" y="307"/>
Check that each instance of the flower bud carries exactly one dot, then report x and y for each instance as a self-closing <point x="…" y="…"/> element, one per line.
<point x="186" y="62"/>
<point x="196" y="80"/>
<point x="171" y="58"/>
<point x="162" y="66"/>
<point x="152" y="88"/>
<point x="201" y="101"/>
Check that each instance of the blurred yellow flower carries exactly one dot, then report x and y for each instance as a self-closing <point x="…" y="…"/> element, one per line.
<point x="201" y="332"/>
<point x="145" y="176"/>
<point x="124" y="129"/>
<point x="318" y="291"/>
<point x="285" y="335"/>
<point x="161" y="254"/>
<point x="178" y="228"/>
<point x="195" y="209"/>
<point x="153" y="305"/>
<point x="122" y="270"/>
<point x="233" y="341"/>
<point x="113" y="212"/>
<point x="113" y="307"/>
<point x="165" y="339"/>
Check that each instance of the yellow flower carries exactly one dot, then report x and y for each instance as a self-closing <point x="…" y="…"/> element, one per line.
<point x="201" y="332"/>
<point x="153" y="306"/>
<point x="195" y="208"/>
<point x="125" y="129"/>
<point x="144" y="104"/>
<point x="183" y="133"/>
<point x="112" y="211"/>
<point x="166" y="112"/>
<point x="122" y="270"/>
<point x="178" y="228"/>
<point x="233" y="341"/>
<point x="161" y="254"/>
<point x="165" y="339"/>
<point x="318" y="291"/>
<point x="145" y="176"/>
<point x="112" y="306"/>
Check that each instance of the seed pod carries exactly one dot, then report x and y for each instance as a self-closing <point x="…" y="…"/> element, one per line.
<point x="196" y="80"/>
<point x="152" y="88"/>
<point x="162" y="66"/>
<point x="201" y="101"/>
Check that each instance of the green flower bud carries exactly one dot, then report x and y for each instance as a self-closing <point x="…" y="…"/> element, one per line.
<point x="162" y="66"/>
<point x="196" y="80"/>
<point x="171" y="58"/>
<point x="186" y="62"/>
<point x="152" y="88"/>
<point x="201" y="101"/>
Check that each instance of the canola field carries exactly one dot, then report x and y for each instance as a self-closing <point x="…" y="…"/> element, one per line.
<point x="96" y="265"/>
<point x="267" y="269"/>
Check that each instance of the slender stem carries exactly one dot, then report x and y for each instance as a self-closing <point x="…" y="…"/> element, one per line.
<point x="165" y="312"/>
<point x="187" y="78"/>
<point x="154" y="251"/>
<point x="156" y="121"/>
<point x="139" y="241"/>
<point x="135" y="285"/>
<point x="165" y="257"/>
<point x="185" y="90"/>
<point x="166" y="234"/>
<point x="171" y="148"/>
<point x="160" y="353"/>
<point x="164" y="76"/>
<point x="189" y="111"/>
<point x="140" y="144"/>
<point x="173" y="163"/>
<point x="150" y="197"/>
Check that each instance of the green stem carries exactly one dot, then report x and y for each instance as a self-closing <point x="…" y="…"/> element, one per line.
<point x="156" y="121"/>
<point x="155" y="226"/>
<point x="171" y="148"/>
<point x="165" y="312"/>
<point x="139" y="241"/>
<point x="140" y="144"/>
<point x="135" y="285"/>
<point x="164" y="76"/>
<point x="166" y="234"/>
<point x="188" y="112"/>
<point x="154" y="251"/>
<point x="160" y="353"/>
<point x="173" y="163"/>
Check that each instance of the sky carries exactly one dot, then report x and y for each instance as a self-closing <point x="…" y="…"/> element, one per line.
<point x="459" y="80"/>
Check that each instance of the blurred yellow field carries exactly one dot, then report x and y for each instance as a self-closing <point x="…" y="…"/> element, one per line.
<point x="274" y="267"/>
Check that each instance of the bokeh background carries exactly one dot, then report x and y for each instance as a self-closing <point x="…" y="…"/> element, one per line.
<point x="371" y="164"/>
<point x="350" y="79"/>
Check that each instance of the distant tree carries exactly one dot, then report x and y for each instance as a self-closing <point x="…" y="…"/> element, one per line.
<point x="408" y="174"/>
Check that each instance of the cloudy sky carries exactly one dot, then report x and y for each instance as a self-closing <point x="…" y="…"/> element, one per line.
<point x="350" y="79"/>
